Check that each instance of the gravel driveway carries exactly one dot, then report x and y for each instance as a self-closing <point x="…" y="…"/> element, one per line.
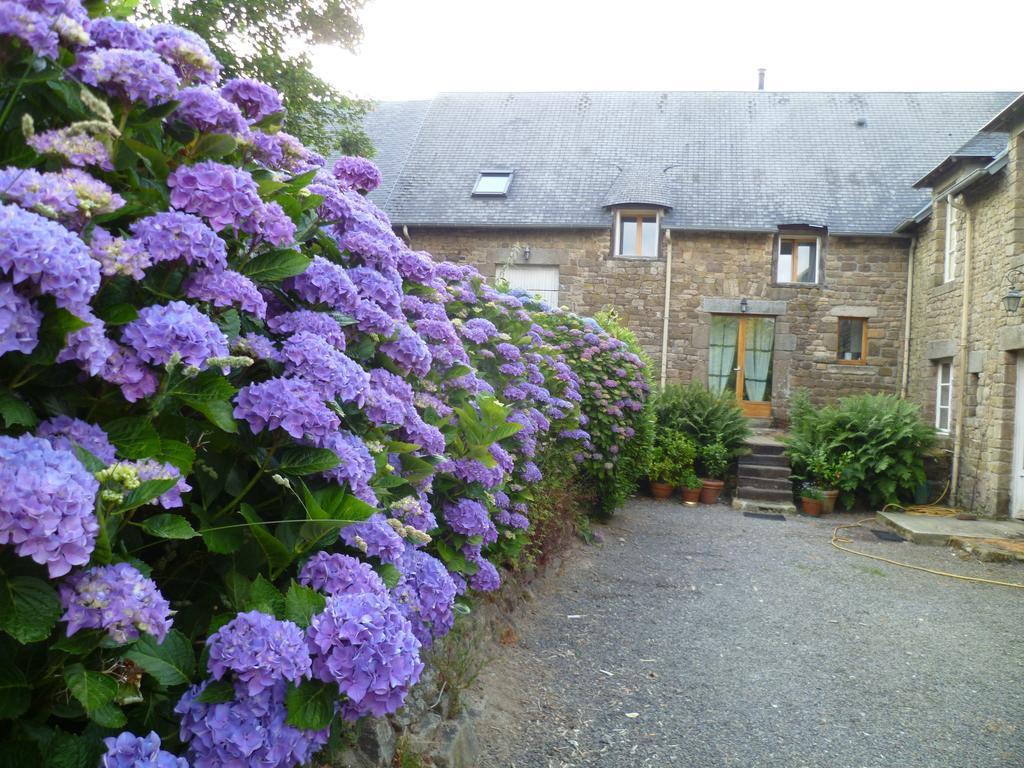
<point x="701" y="637"/>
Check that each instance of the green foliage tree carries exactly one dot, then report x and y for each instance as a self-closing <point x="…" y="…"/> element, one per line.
<point x="270" y="40"/>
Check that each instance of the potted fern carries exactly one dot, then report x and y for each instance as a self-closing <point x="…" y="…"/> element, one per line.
<point x="714" y="459"/>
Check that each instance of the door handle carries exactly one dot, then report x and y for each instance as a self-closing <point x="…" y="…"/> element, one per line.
<point x="736" y="370"/>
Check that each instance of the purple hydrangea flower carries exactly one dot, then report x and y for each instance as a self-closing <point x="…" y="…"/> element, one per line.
<point x="425" y="594"/>
<point x="415" y="511"/>
<point x="46" y="254"/>
<point x="92" y="196"/>
<point x="470" y="518"/>
<point x="186" y="51"/>
<point x="30" y="27"/>
<point x="389" y="399"/>
<point x="248" y="731"/>
<point x="173" y="235"/>
<point x="126" y="750"/>
<point x="363" y="643"/>
<point x="73" y="145"/>
<point x="117" y="599"/>
<point x="374" y="286"/>
<point x="160" y="331"/>
<point x="207" y="111"/>
<point x="325" y="282"/>
<point x="486" y="578"/>
<point x="409" y="351"/>
<point x="118" y="256"/>
<point x="416" y="266"/>
<point x="252" y="97"/>
<point x="478" y="330"/>
<point x="112" y="33"/>
<point x="317" y="323"/>
<point x="64" y="433"/>
<point x="294" y="405"/>
<point x="19" y="321"/>
<point x="272" y="224"/>
<point x="283" y="152"/>
<point x="355" y="466"/>
<point x="259" y="651"/>
<point x="357" y="173"/>
<point x="225" y="196"/>
<point x="49" y="194"/>
<point x="46" y="504"/>
<point x="150" y="469"/>
<point x="337" y="574"/>
<point x="125" y="369"/>
<point x="225" y="288"/>
<point x="375" y="537"/>
<point x="128" y="75"/>
<point x="336" y="376"/>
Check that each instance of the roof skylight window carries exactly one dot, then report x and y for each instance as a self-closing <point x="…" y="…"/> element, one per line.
<point x="493" y="183"/>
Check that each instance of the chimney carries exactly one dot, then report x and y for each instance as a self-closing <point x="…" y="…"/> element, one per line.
<point x="760" y="78"/>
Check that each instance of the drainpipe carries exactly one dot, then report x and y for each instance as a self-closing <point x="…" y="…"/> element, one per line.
<point x="408" y="237"/>
<point x="965" y="301"/>
<point x="664" y="314"/>
<point x="905" y="373"/>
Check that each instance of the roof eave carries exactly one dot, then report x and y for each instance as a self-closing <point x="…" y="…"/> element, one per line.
<point x="1002" y="121"/>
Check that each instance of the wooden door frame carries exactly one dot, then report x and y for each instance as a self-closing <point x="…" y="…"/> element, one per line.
<point x="1016" y="481"/>
<point x="752" y="410"/>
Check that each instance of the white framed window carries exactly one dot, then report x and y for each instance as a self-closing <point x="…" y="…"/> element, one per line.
<point x="637" y="234"/>
<point x="797" y="260"/>
<point x="949" y="252"/>
<point x="535" y="279"/>
<point x="493" y="183"/>
<point x="943" y="396"/>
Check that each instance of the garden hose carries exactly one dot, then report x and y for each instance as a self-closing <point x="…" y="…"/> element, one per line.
<point x="838" y="542"/>
<point x="932" y="509"/>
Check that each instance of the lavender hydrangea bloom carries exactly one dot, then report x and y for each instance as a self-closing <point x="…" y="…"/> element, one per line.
<point x="416" y="266"/>
<point x="225" y="196"/>
<point x="252" y="97"/>
<point x="317" y="323"/>
<point x="225" y="288"/>
<point x="283" y="152"/>
<point x="46" y="504"/>
<point x="370" y="318"/>
<point x="163" y="330"/>
<point x="389" y="398"/>
<point x="272" y="224"/>
<point x="334" y="374"/>
<point x="186" y="51"/>
<point x="415" y="512"/>
<point x="355" y="466"/>
<point x="107" y="32"/>
<point x="486" y="578"/>
<point x="31" y="28"/>
<point x="425" y="594"/>
<point x="173" y="235"/>
<point x="46" y="254"/>
<point x="374" y="537"/>
<point x="19" y="321"/>
<point x="470" y="518"/>
<point x="128" y="75"/>
<point x="125" y="369"/>
<point x="64" y="433"/>
<point x="92" y="196"/>
<point x="126" y="750"/>
<point x="248" y="731"/>
<point x="357" y="173"/>
<point x="363" y="643"/>
<point x="47" y="193"/>
<point x="259" y="651"/>
<point x="374" y="286"/>
<point x="118" y="256"/>
<point x="74" y="146"/>
<point x="337" y="574"/>
<point x="117" y="599"/>
<point x="478" y="330"/>
<point x="150" y="469"/>
<point x="325" y="282"/>
<point x="207" y="111"/>
<point x="409" y="351"/>
<point x="294" y="405"/>
<point x="88" y="346"/>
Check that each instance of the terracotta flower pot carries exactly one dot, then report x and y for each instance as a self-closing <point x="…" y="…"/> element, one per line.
<point x="811" y="506"/>
<point x="691" y="495"/>
<point x="661" y="490"/>
<point x="828" y="504"/>
<point x="711" y="490"/>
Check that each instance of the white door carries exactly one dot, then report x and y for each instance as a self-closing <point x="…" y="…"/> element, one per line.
<point x="1017" y="471"/>
<point x="535" y="279"/>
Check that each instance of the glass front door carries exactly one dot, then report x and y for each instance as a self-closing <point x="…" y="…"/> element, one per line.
<point x="740" y="360"/>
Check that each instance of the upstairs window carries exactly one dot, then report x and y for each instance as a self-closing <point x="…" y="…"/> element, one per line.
<point x="797" y="260"/>
<point x="853" y="340"/>
<point x="943" y="396"/>
<point x="949" y="254"/>
<point x="493" y="183"/>
<point x="636" y="234"/>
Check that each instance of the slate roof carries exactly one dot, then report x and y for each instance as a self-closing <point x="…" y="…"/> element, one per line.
<point x="719" y="160"/>
<point x="980" y="148"/>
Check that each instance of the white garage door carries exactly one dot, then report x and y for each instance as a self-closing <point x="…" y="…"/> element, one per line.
<point x="534" y="279"/>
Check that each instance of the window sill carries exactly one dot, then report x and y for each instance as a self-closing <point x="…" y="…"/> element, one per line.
<point x="797" y="285"/>
<point x="625" y="257"/>
<point x="850" y="362"/>
<point x="943" y="288"/>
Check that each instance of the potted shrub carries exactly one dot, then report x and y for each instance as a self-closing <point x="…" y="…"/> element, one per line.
<point x="714" y="459"/>
<point x="827" y="469"/>
<point x="691" y="486"/>
<point x="662" y="468"/>
<point x="810" y="500"/>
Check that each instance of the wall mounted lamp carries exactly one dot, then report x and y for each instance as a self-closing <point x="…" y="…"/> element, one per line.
<point x="743" y="304"/>
<point x="1015" y="280"/>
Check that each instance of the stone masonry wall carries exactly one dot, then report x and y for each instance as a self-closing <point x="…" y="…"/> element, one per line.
<point x="863" y="277"/>
<point x="994" y="338"/>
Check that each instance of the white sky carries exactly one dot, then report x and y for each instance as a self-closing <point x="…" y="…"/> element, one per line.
<point x="413" y="49"/>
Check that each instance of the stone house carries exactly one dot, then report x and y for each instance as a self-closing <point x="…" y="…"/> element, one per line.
<point x="758" y="242"/>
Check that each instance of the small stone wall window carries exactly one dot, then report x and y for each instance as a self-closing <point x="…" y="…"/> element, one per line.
<point x="636" y="234"/>
<point x="943" y="396"/>
<point x="852" y="348"/>
<point x="797" y="260"/>
<point x="949" y="252"/>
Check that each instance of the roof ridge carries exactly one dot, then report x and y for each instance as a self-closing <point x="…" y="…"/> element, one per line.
<point x="412" y="147"/>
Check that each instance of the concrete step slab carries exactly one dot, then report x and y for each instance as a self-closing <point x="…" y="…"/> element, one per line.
<point x="762" y="505"/>
<point x="938" y="531"/>
<point x="764" y="470"/>
<point x="776" y="483"/>
<point x="765" y="459"/>
<point x="764" y="494"/>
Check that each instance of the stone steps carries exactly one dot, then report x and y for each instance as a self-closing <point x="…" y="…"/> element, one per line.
<point x="763" y="477"/>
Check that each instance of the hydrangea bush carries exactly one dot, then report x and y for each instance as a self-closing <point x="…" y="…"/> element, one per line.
<point x="256" y="453"/>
